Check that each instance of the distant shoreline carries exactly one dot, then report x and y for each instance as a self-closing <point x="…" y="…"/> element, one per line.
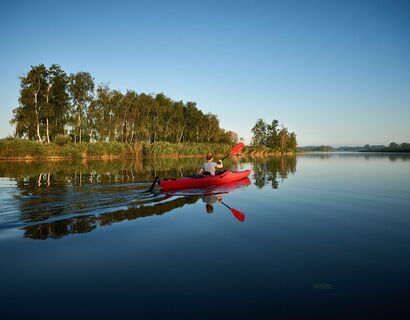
<point x="404" y="148"/>
<point x="361" y="152"/>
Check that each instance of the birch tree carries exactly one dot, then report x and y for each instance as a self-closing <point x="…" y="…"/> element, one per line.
<point x="81" y="88"/>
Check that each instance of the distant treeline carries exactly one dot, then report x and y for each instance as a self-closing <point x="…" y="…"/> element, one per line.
<point x="56" y="107"/>
<point x="392" y="147"/>
<point x="273" y="136"/>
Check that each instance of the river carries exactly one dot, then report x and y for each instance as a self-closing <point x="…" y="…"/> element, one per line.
<point x="317" y="236"/>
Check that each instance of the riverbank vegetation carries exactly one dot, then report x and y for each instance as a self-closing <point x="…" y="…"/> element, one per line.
<point x="67" y="116"/>
<point x="61" y="108"/>
<point x="271" y="139"/>
<point x="26" y="149"/>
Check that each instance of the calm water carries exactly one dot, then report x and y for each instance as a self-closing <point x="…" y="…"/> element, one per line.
<point x="323" y="236"/>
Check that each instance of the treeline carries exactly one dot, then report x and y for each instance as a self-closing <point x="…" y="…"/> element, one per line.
<point x="57" y="107"/>
<point x="273" y="136"/>
<point x="321" y="148"/>
<point x="392" y="147"/>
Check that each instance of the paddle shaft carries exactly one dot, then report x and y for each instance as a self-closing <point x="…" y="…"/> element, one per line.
<point x="225" y="157"/>
<point x="226" y="205"/>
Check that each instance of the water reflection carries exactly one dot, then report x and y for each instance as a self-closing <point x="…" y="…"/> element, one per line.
<point x="103" y="208"/>
<point x="55" y="199"/>
<point x="86" y="223"/>
<point x="269" y="171"/>
<point x="358" y="155"/>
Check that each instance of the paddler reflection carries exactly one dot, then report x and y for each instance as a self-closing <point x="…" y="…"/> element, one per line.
<point x="210" y="200"/>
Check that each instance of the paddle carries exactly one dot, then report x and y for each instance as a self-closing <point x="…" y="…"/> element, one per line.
<point x="238" y="214"/>
<point x="153" y="184"/>
<point x="234" y="150"/>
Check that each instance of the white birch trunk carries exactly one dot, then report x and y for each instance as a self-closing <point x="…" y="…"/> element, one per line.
<point x="37" y="117"/>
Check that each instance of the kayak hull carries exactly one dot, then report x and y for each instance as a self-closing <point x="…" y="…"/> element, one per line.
<point x="205" y="181"/>
<point x="225" y="188"/>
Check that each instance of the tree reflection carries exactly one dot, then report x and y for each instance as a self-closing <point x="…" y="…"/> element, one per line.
<point x="87" y="223"/>
<point x="86" y="172"/>
<point x="55" y="199"/>
<point x="269" y="171"/>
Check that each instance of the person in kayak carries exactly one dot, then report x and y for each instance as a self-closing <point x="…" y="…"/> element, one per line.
<point x="208" y="167"/>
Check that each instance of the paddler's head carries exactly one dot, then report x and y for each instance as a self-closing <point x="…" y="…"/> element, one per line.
<point x="209" y="156"/>
<point x="209" y="208"/>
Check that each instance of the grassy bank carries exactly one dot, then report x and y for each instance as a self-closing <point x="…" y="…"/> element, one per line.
<point x="19" y="149"/>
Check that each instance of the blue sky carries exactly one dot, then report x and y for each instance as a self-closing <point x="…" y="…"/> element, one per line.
<point x="335" y="72"/>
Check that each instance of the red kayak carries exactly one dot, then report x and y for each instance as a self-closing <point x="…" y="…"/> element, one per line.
<point x="200" y="181"/>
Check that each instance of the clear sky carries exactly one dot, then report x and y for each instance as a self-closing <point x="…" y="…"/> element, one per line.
<point x="335" y="72"/>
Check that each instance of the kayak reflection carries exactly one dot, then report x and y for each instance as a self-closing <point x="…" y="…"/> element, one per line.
<point x="93" y="209"/>
<point x="212" y="195"/>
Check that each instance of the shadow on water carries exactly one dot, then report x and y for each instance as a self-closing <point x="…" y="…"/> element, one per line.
<point x="55" y="199"/>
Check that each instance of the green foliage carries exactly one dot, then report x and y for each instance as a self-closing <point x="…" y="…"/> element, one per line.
<point x="21" y="148"/>
<point x="53" y="103"/>
<point x="81" y="89"/>
<point x="317" y="148"/>
<point x="393" y="147"/>
<point x="18" y="148"/>
<point x="107" y="149"/>
<point x="61" y="139"/>
<point x="181" y="149"/>
<point x="273" y="138"/>
<point x="43" y="104"/>
<point x="259" y="132"/>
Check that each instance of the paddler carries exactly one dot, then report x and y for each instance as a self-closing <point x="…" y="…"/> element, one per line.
<point x="209" y="167"/>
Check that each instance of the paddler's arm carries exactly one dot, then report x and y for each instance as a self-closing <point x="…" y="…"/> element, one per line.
<point x="219" y="164"/>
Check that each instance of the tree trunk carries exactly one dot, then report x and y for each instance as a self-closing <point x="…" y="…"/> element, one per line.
<point x="132" y="132"/>
<point x="37" y="118"/>
<point x="47" y="133"/>
<point x="79" y="126"/>
<point x="182" y="134"/>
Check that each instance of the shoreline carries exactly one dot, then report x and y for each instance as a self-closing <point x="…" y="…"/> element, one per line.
<point x="177" y="156"/>
<point x="108" y="158"/>
<point x="26" y="150"/>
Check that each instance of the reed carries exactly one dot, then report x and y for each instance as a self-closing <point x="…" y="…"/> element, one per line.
<point x="20" y="149"/>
